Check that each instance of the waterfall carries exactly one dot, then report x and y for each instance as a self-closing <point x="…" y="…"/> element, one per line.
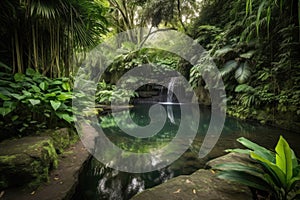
<point x="170" y="99"/>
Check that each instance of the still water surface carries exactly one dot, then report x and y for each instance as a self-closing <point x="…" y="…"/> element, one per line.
<point x="100" y="182"/>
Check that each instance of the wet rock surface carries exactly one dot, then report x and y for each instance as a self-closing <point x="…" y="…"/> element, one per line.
<point x="62" y="181"/>
<point x="26" y="161"/>
<point x="203" y="184"/>
<point x="230" y="158"/>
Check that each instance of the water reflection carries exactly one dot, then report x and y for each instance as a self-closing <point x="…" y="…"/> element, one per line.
<point x="100" y="182"/>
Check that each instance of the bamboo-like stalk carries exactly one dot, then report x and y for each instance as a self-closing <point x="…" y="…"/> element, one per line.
<point x="34" y="44"/>
<point x="18" y="53"/>
<point x="13" y="56"/>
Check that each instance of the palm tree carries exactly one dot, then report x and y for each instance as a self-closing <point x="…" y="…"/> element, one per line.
<point x="45" y="35"/>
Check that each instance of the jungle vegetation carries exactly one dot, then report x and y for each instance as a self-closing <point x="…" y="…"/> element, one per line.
<point x="255" y="45"/>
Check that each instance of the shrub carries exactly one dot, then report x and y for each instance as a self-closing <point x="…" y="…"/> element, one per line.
<point x="279" y="173"/>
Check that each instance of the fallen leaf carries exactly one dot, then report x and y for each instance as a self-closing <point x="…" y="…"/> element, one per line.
<point x="194" y="191"/>
<point x="177" y="191"/>
<point x="1" y="194"/>
<point x="212" y="171"/>
<point x="188" y="181"/>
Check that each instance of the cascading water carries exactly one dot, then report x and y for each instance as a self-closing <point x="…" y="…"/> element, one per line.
<point x="170" y="99"/>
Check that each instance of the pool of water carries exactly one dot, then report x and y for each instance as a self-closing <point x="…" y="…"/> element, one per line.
<point x="100" y="182"/>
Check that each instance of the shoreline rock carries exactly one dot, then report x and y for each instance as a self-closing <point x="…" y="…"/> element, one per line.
<point x="62" y="181"/>
<point x="26" y="161"/>
<point x="202" y="184"/>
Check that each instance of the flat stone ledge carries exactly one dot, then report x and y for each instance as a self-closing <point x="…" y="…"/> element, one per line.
<point x="230" y="158"/>
<point x="62" y="181"/>
<point x="203" y="184"/>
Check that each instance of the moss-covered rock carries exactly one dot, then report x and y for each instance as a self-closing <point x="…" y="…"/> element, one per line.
<point x="62" y="138"/>
<point x="26" y="161"/>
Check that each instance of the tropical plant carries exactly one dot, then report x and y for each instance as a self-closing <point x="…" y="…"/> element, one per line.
<point x="106" y="93"/>
<point x="45" y="35"/>
<point x="255" y="46"/>
<point x="32" y="101"/>
<point x="278" y="172"/>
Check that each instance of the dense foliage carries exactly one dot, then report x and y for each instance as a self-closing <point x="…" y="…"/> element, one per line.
<point x="31" y="101"/>
<point x="45" y="35"/>
<point x="277" y="173"/>
<point x="256" y="46"/>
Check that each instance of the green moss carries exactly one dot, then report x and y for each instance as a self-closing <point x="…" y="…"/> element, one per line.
<point x="7" y="158"/>
<point x="26" y="161"/>
<point x="50" y="155"/>
<point x="68" y="152"/>
<point x="39" y="173"/>
<point x="40" y="168"/>
<point x="61" y="139"/>
<point x="74" y="138"/>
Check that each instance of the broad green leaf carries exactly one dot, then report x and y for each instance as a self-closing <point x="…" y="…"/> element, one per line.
<point x="66" y="117"/>
<point x="17" y="96"/>
<point x="64" y="79"/>
<point x="245" y="179"/>
<point x="57" y="82"/>
<point x="66" y="86"/>
<point x="64" y="96"/>
<point x="5" y="111"/>
<point x="34" y="101"/>
<point x="250" y="169"/>
<point x="242" y="73"/>
<point x="3" y="97"/>
<point x="292" y="182"/>
<point x="14" y="118"/>
<point x="53" y="94"/>
<point x="19" y="77"/>
<point x="43" y="85"/>
<point x="5" y="91"/>
<point x="36" y="89"/>
<point x="248" y="54"/>
<point x="10" y="104"/>
<point x="14" y="85"/>
<point x="229" y="67"/>
<point x="271" y="166"/>
<point x="223" y="51"/>
<point x="30" y="72"/>
<point x="27" y="94"/>
<point x="55" y="104"/>
<point x="244" y="88"/>
<point x="265" y="153"/>
<point x="284" y="158"/>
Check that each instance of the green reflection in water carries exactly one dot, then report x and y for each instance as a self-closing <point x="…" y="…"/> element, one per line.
<point x="139" y="115"/>
<point x="100" y="182"/>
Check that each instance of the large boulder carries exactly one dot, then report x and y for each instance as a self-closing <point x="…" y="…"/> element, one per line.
<point x="26" y="161"/>
<point x="230" y="158"/>
<point x="62" y="138"/>
<point x="203" y="184"/>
